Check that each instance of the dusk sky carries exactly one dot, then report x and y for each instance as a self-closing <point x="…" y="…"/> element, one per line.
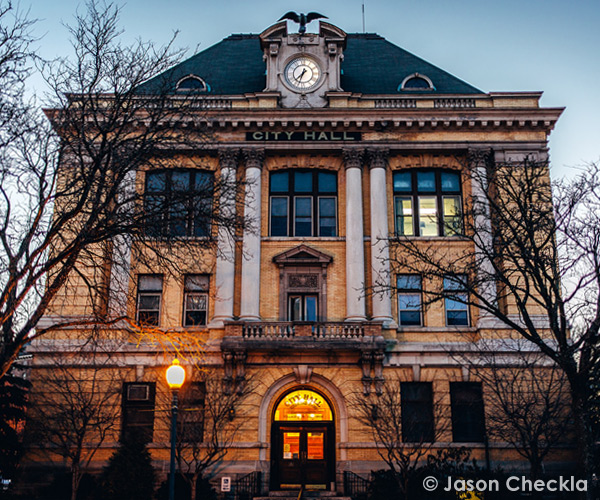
<point x="507" y="45"/>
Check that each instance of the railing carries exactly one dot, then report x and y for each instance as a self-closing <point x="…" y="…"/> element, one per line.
<point x="248" y="486"/>
<point x="395" y="103"/>
<point x="454" y="103"/>
<point x="282" y="330"/>
<point x="355" y="486"/>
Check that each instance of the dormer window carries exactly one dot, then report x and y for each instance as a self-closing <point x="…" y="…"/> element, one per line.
<point x="416" y="82"/>
<point x="192" y="83"/>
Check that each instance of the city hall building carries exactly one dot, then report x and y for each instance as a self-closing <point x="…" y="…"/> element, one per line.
<point x="342" y="140"/>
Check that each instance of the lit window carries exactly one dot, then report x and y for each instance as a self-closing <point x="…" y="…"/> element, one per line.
<point x="409" y="300"/>
<point x="457" y="310"/>
<point x="195" y="300"/>
<point x="427" y="203"/>
<point x="149" y="299"/>
<point x="303" y="203"/>
<point x="416" y="401"/>
<point x="468" y="421"/>
<point x="178" y="203"/>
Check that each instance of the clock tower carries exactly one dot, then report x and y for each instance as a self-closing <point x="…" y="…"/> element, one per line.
<point x="304" y="68"/>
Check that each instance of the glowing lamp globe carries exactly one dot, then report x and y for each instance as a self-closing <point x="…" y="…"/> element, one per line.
<point x="175" y="375"/>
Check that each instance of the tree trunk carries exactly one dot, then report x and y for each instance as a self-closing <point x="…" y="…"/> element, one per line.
<point x="194" y="486"/>
<point x="75" y="477"/>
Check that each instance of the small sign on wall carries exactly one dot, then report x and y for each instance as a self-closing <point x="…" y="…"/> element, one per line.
<point x="225" y="484"/>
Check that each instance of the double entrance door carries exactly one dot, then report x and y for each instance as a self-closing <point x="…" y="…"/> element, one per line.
<point x="303" y="456"/>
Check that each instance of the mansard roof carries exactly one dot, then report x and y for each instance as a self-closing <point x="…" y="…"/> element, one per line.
<point x="372" y="65"/>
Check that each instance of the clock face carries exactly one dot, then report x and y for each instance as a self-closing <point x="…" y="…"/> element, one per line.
<point x="302" y="73"/>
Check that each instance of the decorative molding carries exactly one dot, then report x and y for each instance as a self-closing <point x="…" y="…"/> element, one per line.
<point x="254" y="157"/>
<point x="353" y="157"/>
<point x="303" y="374"/>
<point x="378" y="157"/>
<point x="228" y="157"/>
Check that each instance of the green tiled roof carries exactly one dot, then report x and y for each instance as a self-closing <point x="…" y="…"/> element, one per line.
<point x="371" y="65"/>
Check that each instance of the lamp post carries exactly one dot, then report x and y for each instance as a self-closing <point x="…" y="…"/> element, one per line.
<point x="175" y="378"/>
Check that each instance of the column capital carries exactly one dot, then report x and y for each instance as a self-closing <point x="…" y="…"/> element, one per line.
<point x="480" y="156"/>
<point x="353" y="157"/>
<point x="228" y="157"/>
<point x="378" y="157"/>
<point x="254" y="157"/>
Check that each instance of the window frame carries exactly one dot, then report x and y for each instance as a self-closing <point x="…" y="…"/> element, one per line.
<point x="449" y="293"/>
<point x="189" y="292"/>
<point x="162" y="226"/>
<point x="292" y="194"/>
<point x="400" y="292"/>
<point x="474" y="430"/>
<point x="416" y="195"/>
<point x="425" y="432"/>
<point x="133" y="408"/>
<point x="149" y="293"/>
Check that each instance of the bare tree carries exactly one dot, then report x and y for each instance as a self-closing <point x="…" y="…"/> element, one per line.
<point x="518" y="228"/>
<point x="209" y="419"/>
<point x="77" y="408"/>
<point x="404" y="436"/>
<point x="70" y="209"/>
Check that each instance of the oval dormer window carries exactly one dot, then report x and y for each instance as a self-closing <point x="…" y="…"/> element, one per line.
<point x="417" y="82"/>
<point x="192" y="83"/>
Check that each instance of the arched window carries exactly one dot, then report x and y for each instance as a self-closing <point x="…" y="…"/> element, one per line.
<point x="303" y="406"/>
<point x="178" y="203"/>
<point x="192" y="83"/>
<point x="427" y="203"/>
<point x="416" y="82"/>
<point x="303" y="203"/>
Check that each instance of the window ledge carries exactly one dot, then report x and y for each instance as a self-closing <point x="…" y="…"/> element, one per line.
<point x="436" y="329"/>
<point x="303" y="238"/>
<point x="395" y="239"/>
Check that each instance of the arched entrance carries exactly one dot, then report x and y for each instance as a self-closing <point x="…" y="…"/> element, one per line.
<point x="303" y="442"/>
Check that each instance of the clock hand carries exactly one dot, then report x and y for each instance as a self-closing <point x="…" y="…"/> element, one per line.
<point x="302" y="74"/>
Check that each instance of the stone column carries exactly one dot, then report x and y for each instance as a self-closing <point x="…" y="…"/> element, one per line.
<point x="355" y="250"/>
<point x="225" y="269"/>
<point x="380" y="252"/>
<point x="120" y="276"/>
<point x="482" y="236"/>
<point x="250" y="309"/>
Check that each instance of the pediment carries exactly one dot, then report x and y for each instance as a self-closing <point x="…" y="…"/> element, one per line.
<point x="302" y="255"/>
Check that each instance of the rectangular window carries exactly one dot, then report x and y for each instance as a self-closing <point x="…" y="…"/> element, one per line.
<point x="279" y="216"/>
<point x="404" y="216"/>
<point x="149" y="299"/>
<point x="468" y="420"/>
<point x="417" y="412"/>
<point x="190" y="419"/>
<point x="303" y="216"/>
<point x="428" y="225"/>
<point x="409" y="300"/>
<point x="457" y="310"/>
<point x="452" y="216"/>
<point x="195" y="300"/>
<point x="327" y="216"/>
<point x="138" y="409"/>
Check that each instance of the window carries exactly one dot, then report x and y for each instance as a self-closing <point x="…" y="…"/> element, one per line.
<point x="303" y="203"/>
<point x="195" y="299"/>
<point x="468" y="421"/>
<point x="408" y="287"/>
<point x="427" y="203"/>
<point x="149" y="299"/>
<point x="303" y="307"/>
<point x="178" y="203"/>
<point x="138" y="409"/>
<point x="416" y="401"/>
<point x="457" y="310"/>
<point x="192" y="83"/>
<point x="191" y="416"/>
<point x="416" y="82"/>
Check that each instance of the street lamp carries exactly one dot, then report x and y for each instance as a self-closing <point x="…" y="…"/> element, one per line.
<point x="175" y="379"/>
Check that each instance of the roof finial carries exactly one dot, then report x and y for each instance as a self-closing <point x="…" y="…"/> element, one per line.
<point x="302" y="19"/>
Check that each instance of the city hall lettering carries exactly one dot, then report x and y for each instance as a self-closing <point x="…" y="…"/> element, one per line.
<point x="303" y="136"/>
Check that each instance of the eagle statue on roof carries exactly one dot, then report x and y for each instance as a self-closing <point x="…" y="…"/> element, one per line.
<point x="302" y="19"/>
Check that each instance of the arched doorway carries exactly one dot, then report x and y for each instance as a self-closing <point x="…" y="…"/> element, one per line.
<point x="303" y="442"/>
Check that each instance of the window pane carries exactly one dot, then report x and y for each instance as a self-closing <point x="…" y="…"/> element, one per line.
<point x="450" y="182"/>
<point x="452" y="216"/>
<point x="310" y="313"/>
<point x="303" y="216"/>
<point x="427" y="216"/>
<point x="156" y="181"/>
<point x="295" y="305"/>
<point x="404" y="216"/>
<point x="279" y="182"/>
<point x="468" y="421"/>
<point x="327" y="207"/>
<point x="303" y="182"/>
<point x="149" y="302"/>
<point x="409" y="301"/>
<point x="279" y="216"/>
<point x="425" y="181"/>
<point x="196" y="282"/>
<point x="455" y="283"/>
<point x="410" y="318"/>
<point x="203" y="181"/>
<point x="409" y="282"/>
<point x="150" y="282"/>
<point x="327" y="182"/>
<point x="180" y="180"/>
<point x="402" y="182"/>
<point x="195" y="302"/>
<point x="327" y="219"/>
<point x="417" y="412"/>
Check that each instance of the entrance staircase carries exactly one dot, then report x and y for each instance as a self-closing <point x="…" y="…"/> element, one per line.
<point x="303" y="495"/>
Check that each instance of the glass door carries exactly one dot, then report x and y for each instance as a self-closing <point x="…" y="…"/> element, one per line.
<point x="303" y="307"/>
